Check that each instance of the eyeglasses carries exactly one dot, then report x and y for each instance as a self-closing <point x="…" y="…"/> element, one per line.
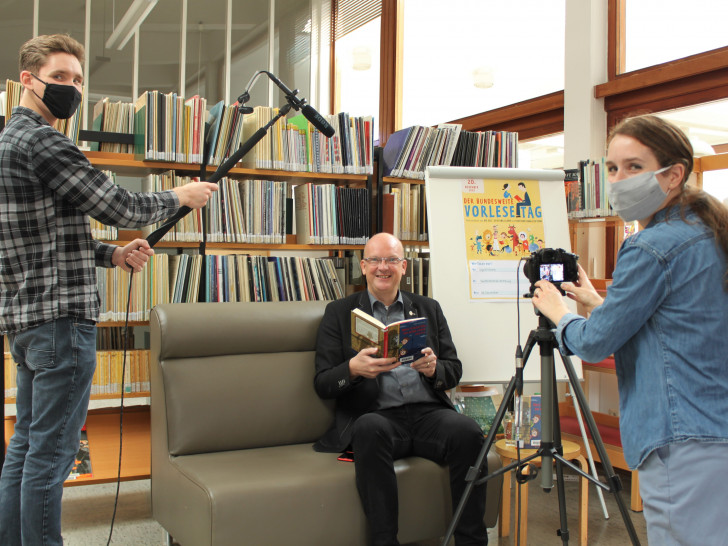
<point x="392" y="260"/>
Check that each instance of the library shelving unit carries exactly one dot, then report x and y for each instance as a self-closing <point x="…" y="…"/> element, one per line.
<point x="102" y="424"/>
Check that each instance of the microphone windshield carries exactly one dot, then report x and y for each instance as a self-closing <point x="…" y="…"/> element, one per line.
<point x="317" y="120"/>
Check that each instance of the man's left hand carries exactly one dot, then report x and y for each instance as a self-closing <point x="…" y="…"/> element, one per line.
<point x="427" y="364"/>
<point x="134" y="255"/>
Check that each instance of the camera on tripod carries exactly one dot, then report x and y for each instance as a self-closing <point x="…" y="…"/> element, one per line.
<point x="552" y="264"/>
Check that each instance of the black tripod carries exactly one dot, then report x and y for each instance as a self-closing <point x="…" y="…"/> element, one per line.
<point x="551" y="448"/>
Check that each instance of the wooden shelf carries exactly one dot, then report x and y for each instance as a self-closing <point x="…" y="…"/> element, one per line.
<point x="129" y="164"/>
<point x="126" y="236"/>
<point x="102" y="429"/>
<point x="121" y="323"/>
<point x="117" y="396"/>
<point x="393" y="180"/>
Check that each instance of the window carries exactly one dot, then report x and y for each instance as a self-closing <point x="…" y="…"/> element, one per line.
<point x="467" y="56"/>
<point x="707" y="127"/>
<point x="705" y="124"/>
<point x="357" y="36"/>
<point x="658" y="31"/>
<point x="542" y="153"/>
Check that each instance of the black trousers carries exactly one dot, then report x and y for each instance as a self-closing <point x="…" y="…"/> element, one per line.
<point x="432" y="431"/>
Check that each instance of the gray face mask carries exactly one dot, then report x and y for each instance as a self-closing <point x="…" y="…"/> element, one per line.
<point x="637" y="197"/>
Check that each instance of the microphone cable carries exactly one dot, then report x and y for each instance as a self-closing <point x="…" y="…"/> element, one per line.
<point x="125" y="341"/>
<point x="519" y="385"/>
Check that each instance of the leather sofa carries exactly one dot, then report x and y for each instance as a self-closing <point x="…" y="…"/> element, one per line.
<point x="234" y="416"/>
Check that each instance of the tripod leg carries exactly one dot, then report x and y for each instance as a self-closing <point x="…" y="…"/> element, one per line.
<point x="563" y="531"/>
<point x="547" y="414"/>
<point x="589" y="455"/>
<point x="558" y="449"/>
<point x="615" y="485"/>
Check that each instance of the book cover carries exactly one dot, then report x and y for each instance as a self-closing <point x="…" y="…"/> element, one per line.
<point x="572" y="189"/>
<point x="82" y="463"/>
<point x="404" y="339"/>
<point x="394" y="148"/>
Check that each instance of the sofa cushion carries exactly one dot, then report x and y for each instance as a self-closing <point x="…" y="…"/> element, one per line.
<point x="263" y="400"/>
<point x="294" y="495"/>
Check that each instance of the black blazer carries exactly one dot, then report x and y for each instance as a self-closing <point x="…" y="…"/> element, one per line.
<point x="354" y="398"/>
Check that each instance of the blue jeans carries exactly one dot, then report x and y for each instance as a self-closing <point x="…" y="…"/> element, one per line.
<point x="56" y="363"/>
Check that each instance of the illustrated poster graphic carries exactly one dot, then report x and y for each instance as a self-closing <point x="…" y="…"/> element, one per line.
<point x="503" y="223"/>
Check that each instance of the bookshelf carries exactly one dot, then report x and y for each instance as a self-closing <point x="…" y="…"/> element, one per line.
<point x="103" y="422"/>
<point x="102" y="429"/>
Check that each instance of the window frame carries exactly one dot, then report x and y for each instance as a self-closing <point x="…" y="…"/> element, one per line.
<point x="689" y="81"/>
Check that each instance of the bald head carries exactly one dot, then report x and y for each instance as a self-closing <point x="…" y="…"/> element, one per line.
<point x="386" y="239"/>
<point x="383" y="278"/>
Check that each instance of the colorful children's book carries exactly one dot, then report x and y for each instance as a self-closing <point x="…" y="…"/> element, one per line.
<point x="404" y="339"/>
<point x="82" y="463"/>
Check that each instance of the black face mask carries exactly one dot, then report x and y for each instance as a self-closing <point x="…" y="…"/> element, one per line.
<point x="61" y="100"/>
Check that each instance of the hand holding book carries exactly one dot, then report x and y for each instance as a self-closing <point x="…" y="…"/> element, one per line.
<point x="427" y="364"/>
<point x="383" y="347"/>
<point x="366" y="364"/>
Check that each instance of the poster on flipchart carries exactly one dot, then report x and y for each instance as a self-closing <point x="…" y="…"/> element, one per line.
<point x="482" y="221"/>
<point x="503" y="223"/>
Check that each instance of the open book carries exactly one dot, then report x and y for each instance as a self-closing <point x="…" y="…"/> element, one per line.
<point x="404" y="339"/>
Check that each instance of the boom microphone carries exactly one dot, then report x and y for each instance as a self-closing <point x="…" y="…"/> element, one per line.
<point x="308" y="111"/>
<point x="317" y="120"/>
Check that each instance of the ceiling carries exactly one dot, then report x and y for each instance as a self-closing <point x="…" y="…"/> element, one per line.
<point x="110" y="71"/>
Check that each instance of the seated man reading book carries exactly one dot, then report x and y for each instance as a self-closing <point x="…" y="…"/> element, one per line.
<point x="385" y="409"/>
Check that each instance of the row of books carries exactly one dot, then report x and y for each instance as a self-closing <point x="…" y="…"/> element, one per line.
<point x="331" y="214"/>
<point x="11" y="98"/>
<point x="169" y="128"/>
<point x="113" y="117"/>
<point x="404" y="211"/>
<point x="292" y="144"/>
<point x="184" y="278"/>
<point x="409" y="151"/>
<point x="107" y="377"/>
<point x="262" y="211"/>
<point x="102" y="231"/>
<point x="586" y="190"/>
<point x="113" y="338"/>
<point x="150" y="287"/>
<point x="486" y="149"/>
<point x="243" y="278"/>
<point x="417" y="278"/>
<point x="109" y="364"/>
<point x="241" y="211"/>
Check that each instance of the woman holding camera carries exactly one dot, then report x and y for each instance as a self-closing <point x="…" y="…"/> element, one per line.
<point x="665" y="319"/>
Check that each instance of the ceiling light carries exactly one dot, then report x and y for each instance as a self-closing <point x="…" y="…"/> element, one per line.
<point x="483" y="77"/>
<point x="129" y="24"/>
<point x="361" y="58"/>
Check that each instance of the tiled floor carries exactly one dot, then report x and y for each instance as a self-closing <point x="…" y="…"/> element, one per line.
<point x="87" y="514"/>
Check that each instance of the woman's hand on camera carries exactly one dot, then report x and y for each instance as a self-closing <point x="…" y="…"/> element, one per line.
<point x="549" y="301"/>
<point x="583" y="292"/>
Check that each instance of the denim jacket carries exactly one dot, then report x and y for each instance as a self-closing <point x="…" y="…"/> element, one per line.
<point x="665" y="319"/>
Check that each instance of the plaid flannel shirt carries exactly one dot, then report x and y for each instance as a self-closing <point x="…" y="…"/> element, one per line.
<point x="48" y="190"/>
